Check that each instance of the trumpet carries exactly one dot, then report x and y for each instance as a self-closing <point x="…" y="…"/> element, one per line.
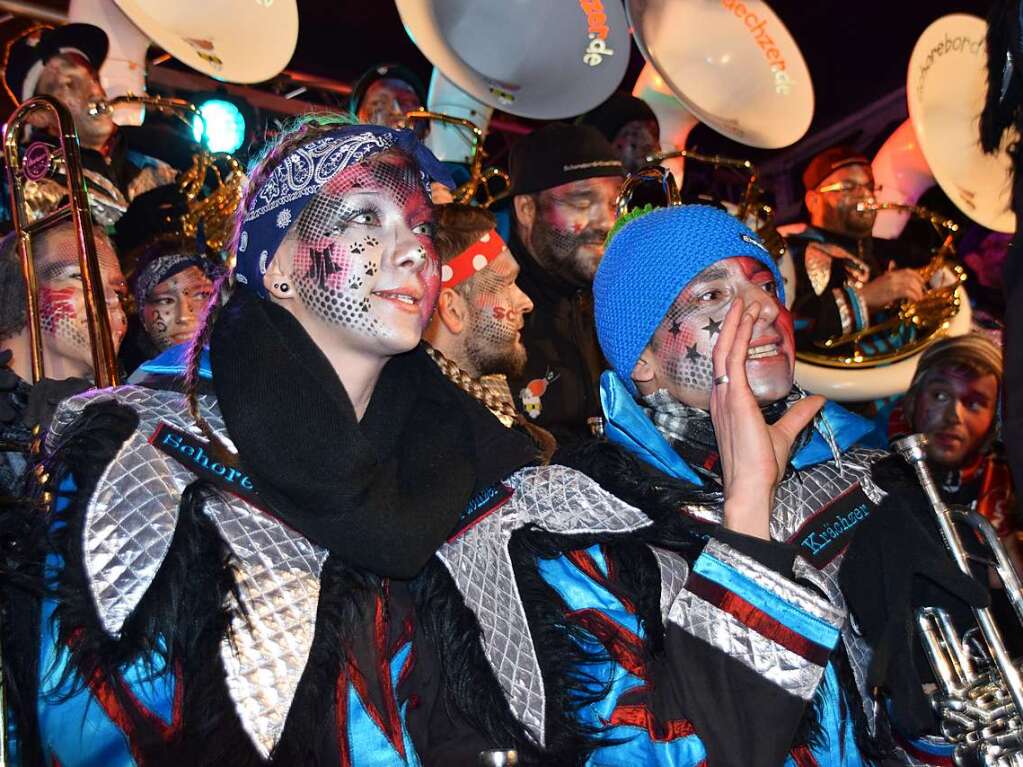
<point x="980" y="703"/>
<point x="478" y="187"/>
<point x="214" y="211"/>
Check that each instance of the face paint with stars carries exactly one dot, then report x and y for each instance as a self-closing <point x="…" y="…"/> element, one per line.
<point x="684" y="341"/>
<point x="365" y="262"/>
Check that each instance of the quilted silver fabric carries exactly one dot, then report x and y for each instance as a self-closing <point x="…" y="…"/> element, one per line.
<point x="764" y="656"/>
<point x="777" y="584"/>
<point x="674" y="572"/>
<point x="795" y="501"/>
<point x="556" y="499"/>
<point x="129" y="524"/>
<point x="721" y="629"/>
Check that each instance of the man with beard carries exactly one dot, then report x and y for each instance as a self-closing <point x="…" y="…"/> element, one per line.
<point x="841" y="281"/>
<point x="565" y="179"/>
<point x="630" y="125"/>
<point x="476" y="331"/>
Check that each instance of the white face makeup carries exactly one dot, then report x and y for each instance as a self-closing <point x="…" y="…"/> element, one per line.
<point x="683" y="343"/>
<point x="497" y="311"/>
<point x="172" y="309"/>
<point x="75" y="85"/>
<point x="363" y="262"/>
<point x="62" y="297"/>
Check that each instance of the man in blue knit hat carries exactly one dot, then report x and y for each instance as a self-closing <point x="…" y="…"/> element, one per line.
<point x="691" y="317"/>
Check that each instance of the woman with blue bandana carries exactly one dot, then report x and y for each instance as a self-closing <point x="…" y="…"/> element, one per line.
<point x="227" y="569"/>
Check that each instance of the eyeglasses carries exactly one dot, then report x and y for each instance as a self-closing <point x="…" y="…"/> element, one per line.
<point x="848" y="186"/>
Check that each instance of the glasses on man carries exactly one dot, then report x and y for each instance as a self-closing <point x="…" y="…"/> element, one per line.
<point x="848" y="186"/>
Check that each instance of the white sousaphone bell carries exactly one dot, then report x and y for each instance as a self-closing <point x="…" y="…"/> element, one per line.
<point x="238" y="41"/>
<point x="732" y="66"/>
<point x="531" y="58"/>
<point x="939" y="143"/>
<point x="448" y="142"/>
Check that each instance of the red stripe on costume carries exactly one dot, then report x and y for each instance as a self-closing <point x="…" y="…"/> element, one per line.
<point x="755" y="618"/>
<point x="128" y="712"/>
<point x="803" y="757"/>
<point x="641" y="717"/>
<point x="588" y="565"/>
<point x="624" y="647"/>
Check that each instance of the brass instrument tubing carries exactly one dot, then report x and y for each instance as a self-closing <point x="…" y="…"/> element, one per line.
<point x="912" y="450"/>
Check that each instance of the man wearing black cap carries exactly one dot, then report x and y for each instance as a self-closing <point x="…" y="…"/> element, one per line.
<point x="565" y="179"/>
<point x="630" y="125"/>
<point x="119" y="163"/>
<point x="840" y="279"/>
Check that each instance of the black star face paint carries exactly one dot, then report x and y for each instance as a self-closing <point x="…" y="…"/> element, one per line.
<point x="364" y="263"/>
<point x="171" y="312"/>
<point x="684" y="342"/>
<point x="572" y="222"/>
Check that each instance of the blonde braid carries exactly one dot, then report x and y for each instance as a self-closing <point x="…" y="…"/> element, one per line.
<point x="503" y="410"/>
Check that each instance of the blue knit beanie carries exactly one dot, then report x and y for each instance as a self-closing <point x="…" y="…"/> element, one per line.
<point x="647" y="264"/>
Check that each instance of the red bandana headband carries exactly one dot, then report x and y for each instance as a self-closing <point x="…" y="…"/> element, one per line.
<point x="471" y="260"/>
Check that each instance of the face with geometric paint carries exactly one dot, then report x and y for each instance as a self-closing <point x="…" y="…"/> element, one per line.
<point x="62" y="297"/>
<point x="171" y="311"/>
<point x="679" y="355"/>
<point x="362" y="260"/>
<point x="496" y="313"/>
<point x="568" y="225"/>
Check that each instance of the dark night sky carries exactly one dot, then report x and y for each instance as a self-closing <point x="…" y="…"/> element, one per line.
<point x="856" y="51"/>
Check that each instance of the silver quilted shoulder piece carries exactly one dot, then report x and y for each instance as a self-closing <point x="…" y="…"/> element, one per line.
<point x="806" y="491"/>
<point x="129" y="524"/>
<point x="132" y="513"/>
<point x="559" y="500"/>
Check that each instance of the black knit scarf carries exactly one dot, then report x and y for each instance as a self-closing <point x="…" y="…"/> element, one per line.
<point x="383" y="493"/>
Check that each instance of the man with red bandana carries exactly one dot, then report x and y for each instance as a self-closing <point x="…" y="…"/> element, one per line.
<point x="565" y="179"/>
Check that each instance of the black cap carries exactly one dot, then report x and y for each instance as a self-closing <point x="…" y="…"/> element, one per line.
<point x="828" y="161"/>
<point x="559" y="153"/>
<point x="385" y="72"/>
<point x="619" y="110"/>
<point x="28" y="53"/>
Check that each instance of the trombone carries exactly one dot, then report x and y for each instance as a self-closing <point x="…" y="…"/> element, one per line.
<point x="35" y="164"/>
<point x="981" y="711"/>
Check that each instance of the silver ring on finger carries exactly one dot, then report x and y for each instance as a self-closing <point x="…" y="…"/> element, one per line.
<point x="721" y="379"/>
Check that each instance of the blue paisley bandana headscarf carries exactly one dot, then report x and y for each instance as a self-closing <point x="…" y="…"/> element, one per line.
<point x="295" y="181"/>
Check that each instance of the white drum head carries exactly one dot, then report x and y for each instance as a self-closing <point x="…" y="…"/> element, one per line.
<point x="239" y="41"/>
<point x="732" y="64"/>
<point x="533" y="58"/>
<point x="946" y="86"/>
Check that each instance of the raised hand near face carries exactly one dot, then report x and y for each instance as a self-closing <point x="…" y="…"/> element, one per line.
<point x="753" y="454"/>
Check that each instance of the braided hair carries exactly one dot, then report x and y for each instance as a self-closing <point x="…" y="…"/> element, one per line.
<point x="501" y="408"/>
<point x="298" y="133"/>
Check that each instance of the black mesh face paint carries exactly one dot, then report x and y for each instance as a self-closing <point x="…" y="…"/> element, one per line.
<point x="684" y="342"/>
<point x="497" y="309"/>
<point x="572" y="222"/>
<point x="364" y="262"/>
<point x="62" y="297"/>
